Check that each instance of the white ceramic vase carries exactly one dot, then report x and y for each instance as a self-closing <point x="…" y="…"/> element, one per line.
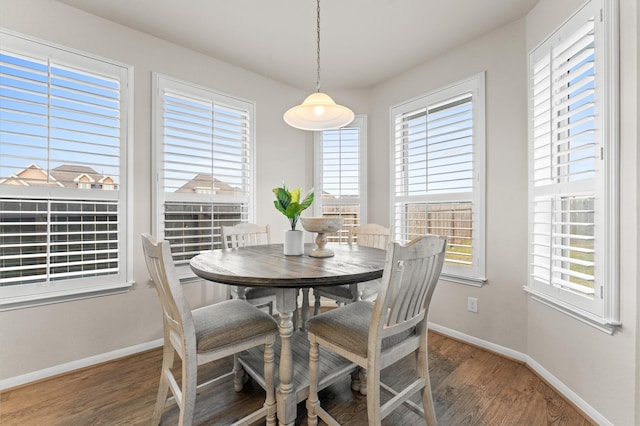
<point x="293" y="243"/>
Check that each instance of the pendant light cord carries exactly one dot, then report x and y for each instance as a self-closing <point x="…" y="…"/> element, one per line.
<point x="318" y="111"/>
<point x="318" y="50"/>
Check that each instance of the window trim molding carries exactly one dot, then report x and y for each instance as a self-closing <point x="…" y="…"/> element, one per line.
<point x="609" y="66"/>
<point x="69" y="290"/>
<point x="611" y="104"/>
<point x="478" y="83"/>
<point x="66" y="295"/>
<point x="158" y="197"/>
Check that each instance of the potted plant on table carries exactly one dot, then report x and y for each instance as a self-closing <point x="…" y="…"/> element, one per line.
<point x="288" y="203"/>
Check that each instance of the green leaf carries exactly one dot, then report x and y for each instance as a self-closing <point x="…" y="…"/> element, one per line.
<point x="293" y="210"/>
<point x="283" y="198"/>
<point x="295" y="195"/>
<point x="278" y="206"/>
<point x="308" y="200"/>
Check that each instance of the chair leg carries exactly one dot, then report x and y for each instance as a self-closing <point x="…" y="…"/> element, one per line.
<point x="312" y="400"/>
<point x="362" y="373"/>
<point x="356" y="384"/>
<point x="422" y="364"/>
<point x="305" y="308"/>
<point x="373" y="395"/>
<point x="189" y="384"/>
<point x="356" y="292"/>
<point x="238" y="374"/>
<point x="270" y="400"/>
<point x="316" y="304"/>
<point x="294" y="317"/>
<point x="168" y="354"/>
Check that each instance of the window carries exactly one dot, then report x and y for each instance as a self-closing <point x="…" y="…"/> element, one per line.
<point x="437" y="172"/>
<point x="63" y="134"/>
<point x="340" y="176"/>
<point x="203" y="150"/>
<point x="572" y="162"/>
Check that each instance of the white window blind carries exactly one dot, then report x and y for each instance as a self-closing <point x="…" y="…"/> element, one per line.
<point x="49" y="240"/>
<point x="437" y="174"/>
<point x="340" y="175"/>
<point x="63" y="131"/>
<point x="569" y="155"/>
<point x="204" y="151"/>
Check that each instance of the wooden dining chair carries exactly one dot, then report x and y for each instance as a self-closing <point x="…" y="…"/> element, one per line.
<point x="204" y="335"/>
<point x="242" y="235"/>
<point x="375" y="335"/>
<point x="369" y="235"/>
<point x="245" y="234"/>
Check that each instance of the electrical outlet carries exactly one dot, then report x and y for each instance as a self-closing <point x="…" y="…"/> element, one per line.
<point x="472" y="304"/>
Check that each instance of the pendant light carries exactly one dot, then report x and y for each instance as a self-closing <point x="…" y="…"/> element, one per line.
<point x="318" y="111"/>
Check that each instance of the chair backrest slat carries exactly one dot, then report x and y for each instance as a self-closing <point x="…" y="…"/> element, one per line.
<point x="423" y="268"/>
<point x="410" y="276"/>
<point x="245" y="234"/>
<point x="370" y="235"/>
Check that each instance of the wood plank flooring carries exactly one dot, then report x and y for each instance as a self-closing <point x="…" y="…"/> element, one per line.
<point x="470" y="386"/>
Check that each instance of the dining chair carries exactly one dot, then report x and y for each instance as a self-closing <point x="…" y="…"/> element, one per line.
<point x="204" y="335"/>
<point x="368" y="235"/>
<point x="375" y="335"/>
<point x="242" y="235"/>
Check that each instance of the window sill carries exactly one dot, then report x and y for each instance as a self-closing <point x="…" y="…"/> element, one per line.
<point x="30" y="301"/>
<point x="472" y="281"/>
<point x="585" y="317"/>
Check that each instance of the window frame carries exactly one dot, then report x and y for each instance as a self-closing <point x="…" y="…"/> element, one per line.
<point x="475" y="275"/>
<point x="603" y="311"/>
<point x="29" y="295"/>
<point x="189" y="89"/>
<point x="359" y="122"/>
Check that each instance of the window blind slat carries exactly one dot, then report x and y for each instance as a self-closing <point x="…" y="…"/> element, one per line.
<point x="87" y="231"/>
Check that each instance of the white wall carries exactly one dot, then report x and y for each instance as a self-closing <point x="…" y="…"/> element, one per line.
<point x="38" y="338"/>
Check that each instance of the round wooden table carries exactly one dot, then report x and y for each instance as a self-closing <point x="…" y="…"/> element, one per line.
<point x="267" y="266"/>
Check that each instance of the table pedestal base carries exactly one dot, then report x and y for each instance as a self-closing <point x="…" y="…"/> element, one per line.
<point x="332" y="368"/>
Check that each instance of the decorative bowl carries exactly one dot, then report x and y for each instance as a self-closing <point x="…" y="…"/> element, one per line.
<point x="321" y="225"/>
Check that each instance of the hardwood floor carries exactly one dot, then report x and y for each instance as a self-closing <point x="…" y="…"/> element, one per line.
<point x="471" y="387"/>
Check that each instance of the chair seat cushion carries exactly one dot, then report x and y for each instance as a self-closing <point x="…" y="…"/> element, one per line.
<point x="348" y="327"/>
<point x="370" y="289"/>
<point x="342" y="291"/>
<point x="230" y="322"/>
<point x="259" y="292"/>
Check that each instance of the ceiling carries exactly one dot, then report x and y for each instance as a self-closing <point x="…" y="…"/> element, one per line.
<point x="363" y="42"/>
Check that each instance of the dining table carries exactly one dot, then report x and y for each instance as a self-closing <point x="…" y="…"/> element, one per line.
<point x="268" y="266"/>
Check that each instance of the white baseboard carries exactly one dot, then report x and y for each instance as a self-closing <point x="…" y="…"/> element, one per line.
<point x="504" y="351"/>
<point x="560" y="387"/>
<point x="75" y="365"/>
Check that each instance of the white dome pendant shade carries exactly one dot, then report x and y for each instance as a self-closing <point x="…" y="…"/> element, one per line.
<point x="318" y="112"/>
